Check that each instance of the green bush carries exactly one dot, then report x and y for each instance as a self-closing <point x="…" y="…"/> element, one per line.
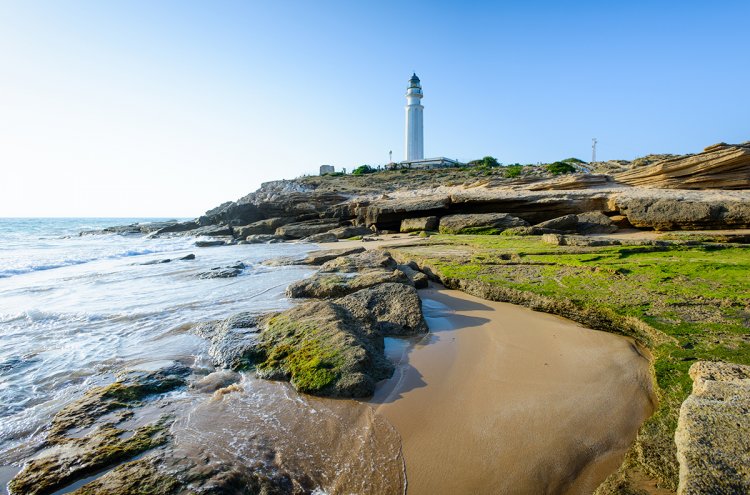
<point x="558" y="168"/>
<point x="362" y="170"/>
<point x="512" y="171"/>
<point x="573" y="160"/>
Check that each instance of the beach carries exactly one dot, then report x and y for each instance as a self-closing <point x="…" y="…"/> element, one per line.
<point x="502" y="399"/>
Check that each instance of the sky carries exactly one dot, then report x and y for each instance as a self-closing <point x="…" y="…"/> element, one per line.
<point x="168" y="108"/>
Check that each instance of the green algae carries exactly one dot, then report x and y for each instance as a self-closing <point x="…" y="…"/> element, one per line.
<point x="684" y="302"/>
<point x="70" y="459"/>
<point x="301" y="351"/>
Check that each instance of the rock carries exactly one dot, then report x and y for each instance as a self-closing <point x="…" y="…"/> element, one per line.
<point x="70" y="459"/>
<point x="212" y="243"/>
<point x="554" y="239"/>
<point x="129" y="389"/>
<point x="261" y="227"/>
<point x="721" y="166"/>
<point x="322" y="238"/>
<point x="594" y="222"/>
<point x="365" y="260"/>
<point x="223" y="271"/>
<point x="564" y="223"/>
<point x="141" y="476"/>
<point x="479" y="223"/>
<point x="215" y="381"/>
<point x="392" y="309"/>
<point x="176" y="228"/>
<point x="300" y="230"/>
<point x="168" y="260"/>
<point x="322" y="350"/>
<point x="419" y="224"/>
<point x="418" y="279"/>
<point x="319" y="257"/>
<point x="264" y="239"/>
<point x="233" y="340"/>
<point x="329" y="285"/>
<point x="188" y="257"/>
<point x="348" y="232"/>
<point x="678" y="214"/>
<point x="713" y="431"/>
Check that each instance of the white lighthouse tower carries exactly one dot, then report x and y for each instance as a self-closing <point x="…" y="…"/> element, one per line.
<point x="414" y="131"/>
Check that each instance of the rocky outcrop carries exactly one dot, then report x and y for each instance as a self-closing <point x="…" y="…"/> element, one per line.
<point x="418" y="279"/>
<point x="573" y="181"/>
<point x="317" y="258"/>
<point x="387" y="214"/>
<point x="721" y="166"/>
<point x="263" y="239"/>
<point x="418" y="224"/>
<point x="479" y="223"/>
<point x="392" y="309"/>
<point x="713" y="431"/>
<point x="679" y="214"/>
<point x="322" y="238"/>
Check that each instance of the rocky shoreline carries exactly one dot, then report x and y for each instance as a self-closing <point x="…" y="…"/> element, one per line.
<point x="550" y="243"/>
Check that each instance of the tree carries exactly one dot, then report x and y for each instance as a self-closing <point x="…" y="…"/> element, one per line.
<point x="558" y="168"/>
<point x="362" y="170"/>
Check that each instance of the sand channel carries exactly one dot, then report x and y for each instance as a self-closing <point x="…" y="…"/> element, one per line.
<point x="502" y="399"/>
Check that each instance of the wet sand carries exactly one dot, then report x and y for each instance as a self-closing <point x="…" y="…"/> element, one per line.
<point x="502" y="399"/>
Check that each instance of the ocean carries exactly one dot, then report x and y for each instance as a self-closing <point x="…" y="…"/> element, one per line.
<point x="74" y="310"/>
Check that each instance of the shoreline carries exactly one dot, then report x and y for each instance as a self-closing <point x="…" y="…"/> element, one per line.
<point x="529" y="382"/>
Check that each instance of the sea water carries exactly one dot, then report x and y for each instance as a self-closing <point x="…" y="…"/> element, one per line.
<point x="75" y="309"/>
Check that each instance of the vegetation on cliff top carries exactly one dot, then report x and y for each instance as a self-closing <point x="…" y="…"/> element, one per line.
<point x="684" y="302"/>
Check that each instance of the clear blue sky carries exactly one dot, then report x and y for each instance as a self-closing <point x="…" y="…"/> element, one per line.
<point x="172" y="107"/>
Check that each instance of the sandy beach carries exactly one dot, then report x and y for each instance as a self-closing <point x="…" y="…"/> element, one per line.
<point x="502" y="399"/>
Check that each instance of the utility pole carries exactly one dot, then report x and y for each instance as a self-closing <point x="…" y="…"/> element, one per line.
<point x="593" y="149"/>
<point x="390" y="156"/>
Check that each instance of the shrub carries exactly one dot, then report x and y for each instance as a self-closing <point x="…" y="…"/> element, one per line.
<point x="558" y="168"/>
<point x="573" y="160"/>
<point x="512" y="171"/>
<point x="362" y="170"/>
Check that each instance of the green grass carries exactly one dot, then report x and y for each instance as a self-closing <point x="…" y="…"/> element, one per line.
<point x="694" y="299"/>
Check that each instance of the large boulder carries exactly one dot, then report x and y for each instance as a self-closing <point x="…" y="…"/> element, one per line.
<point x="678" y="214"/>
<point x="419" y="224"/>
<point x="211" y="231"/>
<point x="479" y="223"/>
<point x="329" y="285"/>
<point x="392" y="309"/>
<point x="322" y="349"/>
<point x="594" y="222"/>
<point x="263" y="239"/>
<point x="713" y="431"/>
<point x="300" y="230"/>
<point x="721" y="166"/>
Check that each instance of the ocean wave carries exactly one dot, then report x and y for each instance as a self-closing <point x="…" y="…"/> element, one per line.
<point x="52" y="264"/>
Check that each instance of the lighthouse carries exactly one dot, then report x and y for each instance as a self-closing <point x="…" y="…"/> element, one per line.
<point x="414" y="131"/>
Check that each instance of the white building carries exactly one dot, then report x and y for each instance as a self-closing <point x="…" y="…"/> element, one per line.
<point x="326" y="169"/>
<point x="415" y="134"/>
<point x="414" y="127"/>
